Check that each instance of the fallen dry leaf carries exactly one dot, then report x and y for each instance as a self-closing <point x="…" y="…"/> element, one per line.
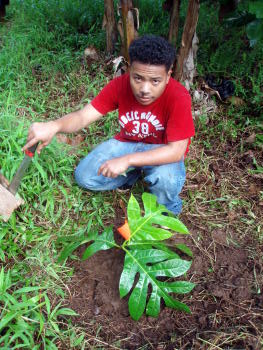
<point x="91" y="53"/>
<point x="77" y="140"/>
<point x="120" y="66"/>
<point x="236" y="101"/>
<point x="231" y="215"/>
<point x="62" y="138"/>
<point x="21" y="111"/>
<point x="72" y="141"/>
<point x="254" y="190"/>
<point x="251" y="138"/>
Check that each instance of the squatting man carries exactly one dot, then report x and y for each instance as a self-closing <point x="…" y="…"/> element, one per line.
<point x="156" y="126"/>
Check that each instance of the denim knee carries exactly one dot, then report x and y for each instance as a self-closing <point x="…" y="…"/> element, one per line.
<point x="81" y="177"/>
<point x="166" y="182"/>
<point x="169" y="178"/>
<point x="166" y="187"/>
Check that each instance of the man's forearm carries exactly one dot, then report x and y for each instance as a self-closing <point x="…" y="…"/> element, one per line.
<point x="70" y="123"/>
<point x="170" y="153"/>
<point x="78" y="120"/>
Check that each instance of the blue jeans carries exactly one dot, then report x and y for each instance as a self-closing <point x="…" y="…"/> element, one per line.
<point x="165" y="181"/>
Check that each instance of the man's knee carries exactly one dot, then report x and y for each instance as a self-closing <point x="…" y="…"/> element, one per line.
<point x="86" y="177"/>
<point x="81" y="177"/>
<point x="166" y="179"/>
<point x="93" y="182"/>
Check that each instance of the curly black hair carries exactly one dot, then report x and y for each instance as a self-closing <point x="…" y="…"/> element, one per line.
<point x="152" y="49"/>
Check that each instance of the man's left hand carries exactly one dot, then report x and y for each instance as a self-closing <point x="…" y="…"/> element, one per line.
<point x="114" y="167"/>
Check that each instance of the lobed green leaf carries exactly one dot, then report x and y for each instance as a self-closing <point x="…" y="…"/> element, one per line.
<point x="154" y="225"/>
<point x="102" y="241"/>
<point x="184" y="249"/>
<point x="151" y="264"/>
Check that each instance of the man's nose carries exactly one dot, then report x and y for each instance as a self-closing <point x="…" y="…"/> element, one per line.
<point x="145" y="88"/>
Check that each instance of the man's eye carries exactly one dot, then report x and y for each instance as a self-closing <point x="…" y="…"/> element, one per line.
<point x="137" y="79"/>
<point x="155" y="82"/>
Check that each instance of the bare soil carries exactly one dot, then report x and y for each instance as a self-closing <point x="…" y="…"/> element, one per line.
<point x="223" y="212"/>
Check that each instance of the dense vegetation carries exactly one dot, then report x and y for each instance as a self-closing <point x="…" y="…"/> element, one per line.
<point x="43" y="75"/>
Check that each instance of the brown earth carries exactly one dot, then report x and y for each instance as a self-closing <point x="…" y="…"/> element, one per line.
<point x="226" y="305"/>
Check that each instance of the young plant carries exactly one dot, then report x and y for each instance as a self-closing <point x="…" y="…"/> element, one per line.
<point x="146" y="256"/>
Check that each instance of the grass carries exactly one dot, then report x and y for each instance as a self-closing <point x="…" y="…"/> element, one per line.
<point x="39" y="80"/>
<point x="42" y="76"/>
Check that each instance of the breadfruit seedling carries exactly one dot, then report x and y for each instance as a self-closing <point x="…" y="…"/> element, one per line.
<point x="147" y="256"/>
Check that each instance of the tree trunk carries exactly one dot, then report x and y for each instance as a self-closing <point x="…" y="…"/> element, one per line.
<point x="174" y="21"/>
<point x="187" y="38"/>
<point x="110" y="25"/>
<point x="3" y="4"/>
<point x="128" y="25"/>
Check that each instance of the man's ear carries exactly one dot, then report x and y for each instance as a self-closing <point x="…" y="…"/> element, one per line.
<point x="169" y="73"/>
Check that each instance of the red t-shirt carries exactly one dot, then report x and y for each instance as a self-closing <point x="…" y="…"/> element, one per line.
<point x="167" y="119"/>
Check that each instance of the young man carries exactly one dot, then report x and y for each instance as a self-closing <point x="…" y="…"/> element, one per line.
<point x="155" y="127"/>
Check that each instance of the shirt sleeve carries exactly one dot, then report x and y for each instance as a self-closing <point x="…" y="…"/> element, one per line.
<point x="180" y="125"/>
<point x="107" y="100"/>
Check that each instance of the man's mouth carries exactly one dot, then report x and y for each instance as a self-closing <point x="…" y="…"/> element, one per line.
<point x="144" y="98"/>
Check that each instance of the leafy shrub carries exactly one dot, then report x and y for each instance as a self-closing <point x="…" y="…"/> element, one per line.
<point x="249" y="13"/>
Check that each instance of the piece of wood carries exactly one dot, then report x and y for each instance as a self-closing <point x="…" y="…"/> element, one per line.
<point x="174" y="21"/>
<point x="8" y="203"/>
<point x="189" y="68"/>
<point x="128" y="25"/>
<point x="187" y="37"/>
<point x="110" y="26"/>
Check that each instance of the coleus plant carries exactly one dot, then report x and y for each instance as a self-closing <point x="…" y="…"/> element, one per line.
<point x="146" y="256"/>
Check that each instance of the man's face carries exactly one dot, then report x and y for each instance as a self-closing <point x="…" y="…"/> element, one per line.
<point x="148" y="81"/>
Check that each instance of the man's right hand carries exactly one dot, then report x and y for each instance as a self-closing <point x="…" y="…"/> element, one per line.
<point x="72" y="122"/>
<point x="42" y="133"/>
